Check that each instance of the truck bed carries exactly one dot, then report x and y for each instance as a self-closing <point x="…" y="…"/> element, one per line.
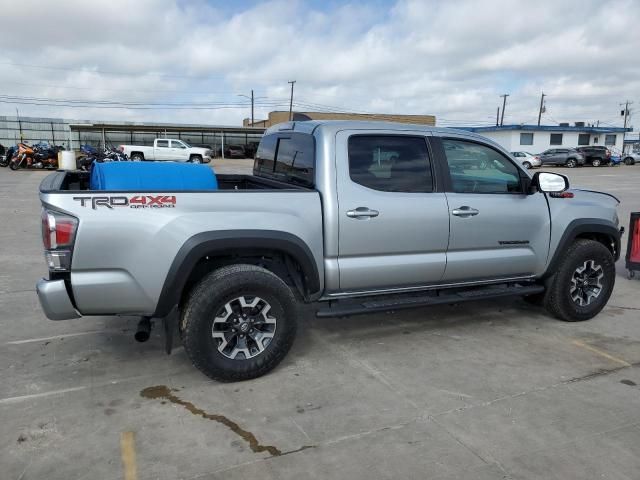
<point x="78" y="181"/>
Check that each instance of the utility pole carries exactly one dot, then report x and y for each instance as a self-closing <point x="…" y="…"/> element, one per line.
<point x="542" y="108"/>
<point x="252" y="107"/>
<point x="292" y="82"/>
<point x="498" y="117"/>
<point x="19" y="123"/>
<point x="625" y="112"/>
<point x="504" y="104"/>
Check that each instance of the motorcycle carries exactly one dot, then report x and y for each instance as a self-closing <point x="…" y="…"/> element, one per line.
<point x="38" y="156"/>
<point x="91" y="154"/>
<point x="6" y="158"/>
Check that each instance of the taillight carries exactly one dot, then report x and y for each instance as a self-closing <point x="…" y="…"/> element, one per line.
<point x="121" y="148"/>
<point x="58" y="235"/>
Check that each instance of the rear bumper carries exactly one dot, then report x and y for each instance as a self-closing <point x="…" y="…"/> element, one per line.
<point x="54" y="300"/>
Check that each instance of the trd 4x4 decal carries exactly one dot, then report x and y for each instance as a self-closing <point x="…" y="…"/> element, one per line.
<point x="137" y="201"/>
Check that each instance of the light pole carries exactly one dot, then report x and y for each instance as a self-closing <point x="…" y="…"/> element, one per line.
<point x="252" y="98"/>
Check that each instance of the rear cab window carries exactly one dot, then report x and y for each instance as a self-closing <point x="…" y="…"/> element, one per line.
<point x="288" y="157"/>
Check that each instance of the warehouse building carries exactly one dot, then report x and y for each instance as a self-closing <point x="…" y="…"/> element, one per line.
<point x="283" y="116"/>
<point x="73" y="133"/>
<point x="538" y="138"/>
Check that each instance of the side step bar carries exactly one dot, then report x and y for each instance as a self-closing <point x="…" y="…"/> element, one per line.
<point x="343" y="308"/>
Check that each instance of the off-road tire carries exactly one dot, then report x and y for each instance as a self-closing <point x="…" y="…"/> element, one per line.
<point x="211" y="295"/>
<point x="557" y="298"/>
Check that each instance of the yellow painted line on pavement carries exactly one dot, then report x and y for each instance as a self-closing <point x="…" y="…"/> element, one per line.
<point x="601" y="353"/>
<point x="128" y="453"/>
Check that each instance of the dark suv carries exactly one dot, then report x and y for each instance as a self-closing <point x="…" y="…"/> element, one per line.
<point x="595" y="155"/>
<point x="567" y="157"/>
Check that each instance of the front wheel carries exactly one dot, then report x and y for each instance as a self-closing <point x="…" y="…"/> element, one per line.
<point x="239" y="323"/>
<point x="195" y="159"/>
<point x="583" y="282"/>
<point x="629" y="161"/>
<point x="571" y="163"/>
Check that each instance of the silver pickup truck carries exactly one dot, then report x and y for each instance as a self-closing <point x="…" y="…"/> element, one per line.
<point x="354" y="217"/>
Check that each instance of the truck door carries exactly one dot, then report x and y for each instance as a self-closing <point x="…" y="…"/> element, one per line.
<point x="393" y="221"/>
<point x="179" y="151"/>
<point x="496" y="230"/>
<point x="162" y="150"/>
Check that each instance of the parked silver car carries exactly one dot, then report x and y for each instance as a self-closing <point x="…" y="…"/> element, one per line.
<point x="527" y="160"/>
<point x="631" y="158"/>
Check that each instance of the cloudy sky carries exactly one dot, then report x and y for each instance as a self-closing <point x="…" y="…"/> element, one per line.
<point x="188" y="61"/>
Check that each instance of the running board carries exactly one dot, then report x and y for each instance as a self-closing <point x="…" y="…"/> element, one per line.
<point x="343" y="308"/>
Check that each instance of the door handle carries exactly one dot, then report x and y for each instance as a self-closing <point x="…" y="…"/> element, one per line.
<point x="464" y="212"/>
<point x="362" y="212"/>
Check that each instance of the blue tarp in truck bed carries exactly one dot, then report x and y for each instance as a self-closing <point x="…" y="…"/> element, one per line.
<point x="144" y="176"/>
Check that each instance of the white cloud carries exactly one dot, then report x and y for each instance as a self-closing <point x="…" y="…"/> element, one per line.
<point x="452" y="59"/>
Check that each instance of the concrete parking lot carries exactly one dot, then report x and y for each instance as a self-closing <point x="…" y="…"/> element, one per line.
<point x="489" y="390"/>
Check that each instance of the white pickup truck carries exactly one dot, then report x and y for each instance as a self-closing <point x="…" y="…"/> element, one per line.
<point x="168" y="149"/>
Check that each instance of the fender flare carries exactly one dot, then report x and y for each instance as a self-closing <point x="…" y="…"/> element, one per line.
<point x="579" y="227"/>
<point x="225" y="242"/>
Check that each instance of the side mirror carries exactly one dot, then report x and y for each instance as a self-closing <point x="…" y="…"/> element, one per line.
<point x="550" y="182"/>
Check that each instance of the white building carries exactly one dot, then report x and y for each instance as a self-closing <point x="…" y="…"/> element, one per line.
<point x="537" y="139"/>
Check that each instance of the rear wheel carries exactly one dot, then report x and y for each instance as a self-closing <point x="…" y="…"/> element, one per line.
<point x="583" y="282"/>
<point x="526" y="165"/>
<point x="596" y="162"/>
<point x="239" y="323"/>
<point x="571" y="163"/>
<point x="137" y="157"/>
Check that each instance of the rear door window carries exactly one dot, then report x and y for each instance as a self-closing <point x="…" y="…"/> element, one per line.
<point x="390" y="163"/>
<point x="162" y="143"/>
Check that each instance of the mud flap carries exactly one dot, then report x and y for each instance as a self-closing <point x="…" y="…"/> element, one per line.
<point x="170" y="323"/>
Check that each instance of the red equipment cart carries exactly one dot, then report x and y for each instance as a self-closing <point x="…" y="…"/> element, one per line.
<point x="632" y="259"/>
